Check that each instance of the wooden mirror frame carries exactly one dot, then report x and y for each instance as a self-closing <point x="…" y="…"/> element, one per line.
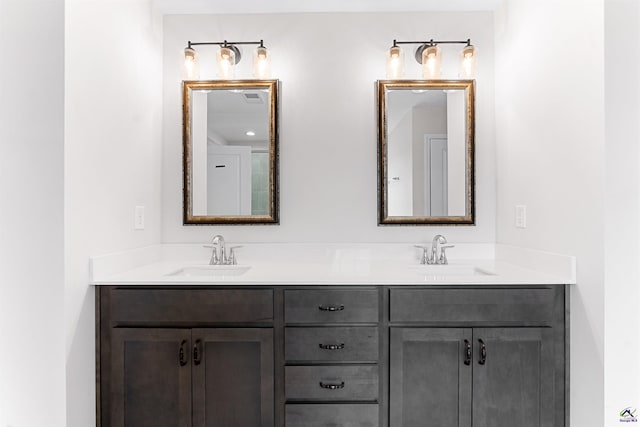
<point x="382" y="87"/>
<point x="273" y="205"/>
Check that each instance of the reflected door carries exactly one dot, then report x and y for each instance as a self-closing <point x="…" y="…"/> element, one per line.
<point x="436" y="175"/>
<point x="229" y="180"/>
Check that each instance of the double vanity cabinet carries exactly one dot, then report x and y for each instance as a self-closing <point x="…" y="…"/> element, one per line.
<point x="332" y="356"/>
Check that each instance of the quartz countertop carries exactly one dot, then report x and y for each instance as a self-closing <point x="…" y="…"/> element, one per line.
<point x="339" y="264"/>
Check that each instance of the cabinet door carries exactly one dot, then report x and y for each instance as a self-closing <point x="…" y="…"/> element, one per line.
<point x="513" y="382"/>
<point x="430" y="384"/>
<point x="150" y="378"/>
<point x="233" y="377"/>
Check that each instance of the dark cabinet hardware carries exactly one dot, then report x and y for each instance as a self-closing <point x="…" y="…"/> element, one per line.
<point x="483" y="353"/>
<point x="467" y="352"/>
<point x="332" y="346"/>
<point x="331" y="307"/>
<point x="197" y="352"/>
<point x="332" y="386"/>
<point x="181" y="354"/>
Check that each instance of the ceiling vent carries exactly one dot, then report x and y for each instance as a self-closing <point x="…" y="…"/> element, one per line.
<point x="252" y="98"/>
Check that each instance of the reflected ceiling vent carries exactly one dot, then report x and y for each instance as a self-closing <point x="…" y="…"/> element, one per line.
<point x="252" y="98"/>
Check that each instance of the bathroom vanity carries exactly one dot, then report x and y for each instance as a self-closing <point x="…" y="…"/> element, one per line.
<point x="351" y="354"/>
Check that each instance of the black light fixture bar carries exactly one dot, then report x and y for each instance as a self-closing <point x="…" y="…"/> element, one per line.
<point x="224" y="43"/>
<point x="433" y="42"/>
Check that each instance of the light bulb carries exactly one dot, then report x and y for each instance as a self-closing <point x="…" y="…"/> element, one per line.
<point x="226" y="63"/>
<point x="395" y="63"/>
<point x="191" y="71"/>
<point x="261" y="63"/>
<point x="431" y="62"/>
<point x="468" y="62"/>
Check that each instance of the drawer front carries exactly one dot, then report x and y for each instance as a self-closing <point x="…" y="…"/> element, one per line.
<point x="335" y="344"/>
<point x="331" y="306"/>
<point x="331" y="415"/>
<point x="330" y="383"/>
<point x="140" y="306"/>
<point x="471" y="305"/>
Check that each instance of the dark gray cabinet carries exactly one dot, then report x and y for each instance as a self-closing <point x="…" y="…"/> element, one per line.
<point x="513" y="382"/>
<point x="150" y="387"/>
<point x="430" y="383"/>
<point x="463" y="377"/>
<point x="233" y="377"/>
<point x="339" y="356"/>
<point x="477" y="357"/>
<point x="207" y="361"/>
<point x="199" y="377"/>
<point x="332" y="352"/>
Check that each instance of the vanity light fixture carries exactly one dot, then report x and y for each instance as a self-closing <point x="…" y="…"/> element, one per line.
<point x="226" y="59"/>
<point x="395" y="62"/>
<point x="429" y="55"/>
<point x="261" y="63"/>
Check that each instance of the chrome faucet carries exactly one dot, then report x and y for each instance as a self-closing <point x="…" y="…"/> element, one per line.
<point x="435" y="256"/>
<point x="219" y="253"/>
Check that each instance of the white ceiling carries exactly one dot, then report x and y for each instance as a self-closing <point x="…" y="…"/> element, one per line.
<point x="169" y="7"/>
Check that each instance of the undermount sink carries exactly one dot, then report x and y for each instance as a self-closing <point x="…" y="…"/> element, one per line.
<point x="205" y="270"/>
<point x="449" y="270"/>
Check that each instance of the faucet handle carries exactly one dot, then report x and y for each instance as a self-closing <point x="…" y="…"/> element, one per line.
<point x="424" y="258"/>
<point x="443" y="254"/>
<point x="232" y="255"/>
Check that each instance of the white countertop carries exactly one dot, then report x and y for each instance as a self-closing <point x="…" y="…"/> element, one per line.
<point x="339" y="264"/>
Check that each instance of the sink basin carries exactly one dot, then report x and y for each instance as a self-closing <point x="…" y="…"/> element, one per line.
<point x="206" y="270"/>
<point x="450" y="270"/>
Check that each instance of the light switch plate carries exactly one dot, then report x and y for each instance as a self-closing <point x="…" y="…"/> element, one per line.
<point x="521" y="216"/>
<point x="139" y="218"/>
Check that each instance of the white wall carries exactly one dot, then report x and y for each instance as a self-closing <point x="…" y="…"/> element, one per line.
<point x="113" y="119"/>
<point x="550" y="146"/>
<point x="327" y="64"/>
<point x="400" y="164"/>
<point x="622" y="230"/>
<point x="32" y="390"/>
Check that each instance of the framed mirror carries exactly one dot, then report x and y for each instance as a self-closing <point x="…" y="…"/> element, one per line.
<point x="230" y="152"/>
<point x="426" y="151"/>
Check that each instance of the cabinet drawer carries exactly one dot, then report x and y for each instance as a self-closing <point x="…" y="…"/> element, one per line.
<point x="338" y="344"/>
<point x="353" y="382"/>
<point x="331" y="305"/>
<point x="139" y="306"/>
<point x="333" y="415"/>
<point x="471" y="305"/>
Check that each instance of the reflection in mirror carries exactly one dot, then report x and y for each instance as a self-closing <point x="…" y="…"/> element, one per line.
<point x="425" y="151"/>
<point x="230" y="152"/>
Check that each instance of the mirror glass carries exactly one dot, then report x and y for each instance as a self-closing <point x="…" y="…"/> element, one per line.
<point x="425" y="151"/>
<point x="230" y="152"/>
